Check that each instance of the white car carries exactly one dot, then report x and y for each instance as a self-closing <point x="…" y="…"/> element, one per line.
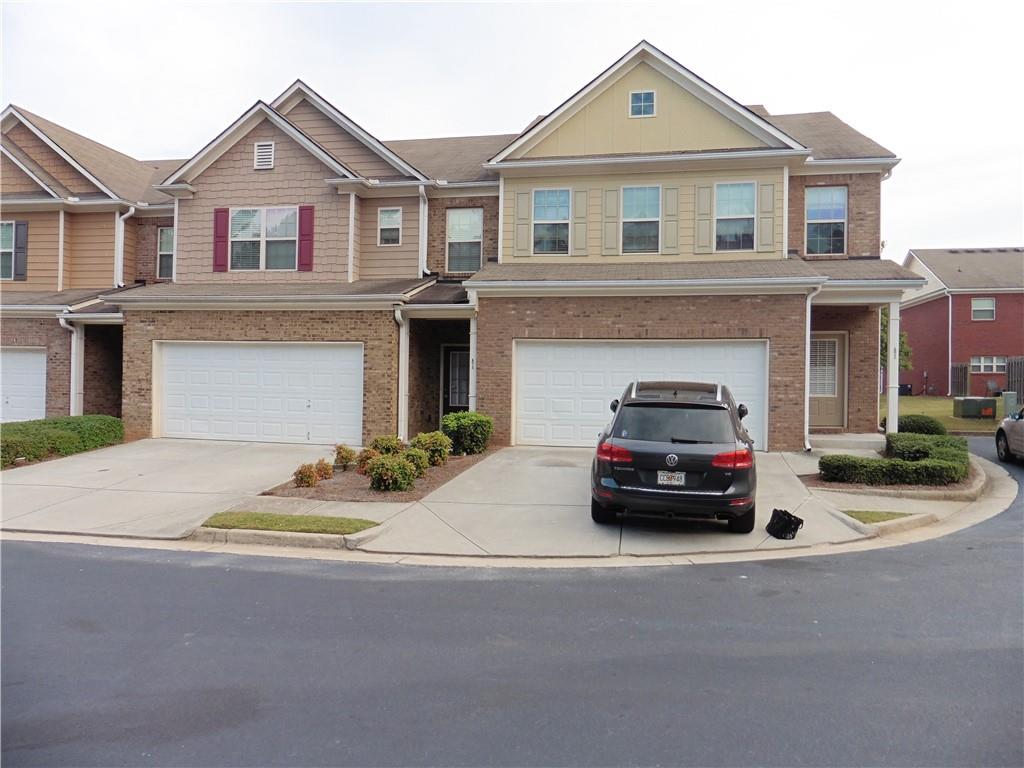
<point x="1010" y="437"/>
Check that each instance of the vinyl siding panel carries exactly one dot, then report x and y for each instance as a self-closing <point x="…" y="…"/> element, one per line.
<point x="43" y="244"/>
<point x="89" y="262"/>
<point x="50" y="161"/>
<point x="14" y="181"/>
<point x="390" y="260"/>
<point x="357" y="234"/>
<point x="131" y="235"/>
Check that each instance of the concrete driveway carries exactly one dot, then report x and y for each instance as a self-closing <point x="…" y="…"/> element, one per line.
<point x="150" y="488"/>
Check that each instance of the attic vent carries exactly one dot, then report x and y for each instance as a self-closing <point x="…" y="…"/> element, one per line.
<point x="263" y="156"/>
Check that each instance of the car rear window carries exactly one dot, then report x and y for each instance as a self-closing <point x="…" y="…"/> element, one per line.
<point x="668" y="423"/>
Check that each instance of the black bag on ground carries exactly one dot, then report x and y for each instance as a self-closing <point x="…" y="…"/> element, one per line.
<point x="783" y="524"/>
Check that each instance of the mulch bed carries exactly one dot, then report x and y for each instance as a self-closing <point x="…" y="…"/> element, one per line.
<point x="351" y="486"/>
<point x="815" y="481"/>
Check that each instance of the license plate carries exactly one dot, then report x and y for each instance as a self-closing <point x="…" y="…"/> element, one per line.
<point x="671" y="478"/>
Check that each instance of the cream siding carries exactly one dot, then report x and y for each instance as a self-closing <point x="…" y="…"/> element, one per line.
<point x="41" y="273"/>
<point x="380" y="261"/>
<point x="14" y="181"/>
<point x="603" y="227"/>
<point x="357" y="244"/>
<point x="50" y="161"/>
<point x="89" y="262"/>
<point x="131" y="235"/>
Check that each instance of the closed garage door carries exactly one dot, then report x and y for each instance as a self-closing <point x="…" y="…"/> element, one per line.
<point x="22" y="384"/>
<point x="274" y="392"/>
<point x="563" y="388"/>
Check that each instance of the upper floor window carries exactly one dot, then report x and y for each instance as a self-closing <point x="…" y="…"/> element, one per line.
<point x="264" y="238"/>
<point x="641" y="219"/>
<point x="6" y="250"/>
<point x="389" y="226"/>
<point x="983" y="309"/>
<point x="734" y="216"/>
<point x="263" y="155"/>
<point x="551" y="221"/>
<point x="988" y="364"/>
<point x="826" y="219"/>
<point x="165" y="253"/>
<point x="465" y="239"/>
<point x="641" y="104"/>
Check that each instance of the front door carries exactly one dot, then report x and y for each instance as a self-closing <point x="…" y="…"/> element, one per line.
<point x="455" y="379"/>
<point x="828" y="380"/>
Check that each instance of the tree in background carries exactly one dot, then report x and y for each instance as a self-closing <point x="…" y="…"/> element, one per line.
<point x="906" y="364"/>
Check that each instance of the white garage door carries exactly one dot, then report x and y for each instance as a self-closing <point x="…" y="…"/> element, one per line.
<point x="274" y="392"/>
<point x="22" y="384"/>
<point x="563" y="388"/>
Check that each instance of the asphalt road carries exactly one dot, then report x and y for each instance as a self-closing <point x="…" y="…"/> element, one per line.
<point x="904" y="656"/>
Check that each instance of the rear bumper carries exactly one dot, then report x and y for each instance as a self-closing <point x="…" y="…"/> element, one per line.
<point x="736" y="501"/>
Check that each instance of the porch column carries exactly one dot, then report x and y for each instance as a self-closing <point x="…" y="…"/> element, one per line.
<point x="403" y="375"/>
<point x="472" y="363"/>
<point x="892" y="369"/>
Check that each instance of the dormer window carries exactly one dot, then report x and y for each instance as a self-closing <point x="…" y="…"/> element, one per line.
<point x="263" y="156"/>
<point x="641" y="104"/>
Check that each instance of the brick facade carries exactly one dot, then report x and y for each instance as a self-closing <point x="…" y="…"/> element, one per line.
<point x="101" y="390"/>
<point x="425" y="340"/>
<point x="46" y="333"/>
<point x="375" y="329"/>
<point x="778" y="318"/>
<point x="146" y="247"/>
<point x="863" y="224"/>
<point x="437" y="226"/>
<point x="861" y="323"/>
<point x="927" y="329"/>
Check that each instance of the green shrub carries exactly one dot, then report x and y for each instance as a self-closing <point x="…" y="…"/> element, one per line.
<point x="390" y="472"/>
<point x="387" y="444"/>
<point x="469" y="431"/>
<point x="343" y="454"/>
<point x="324" y="471"/>
<point x="35" y="440"/>
<point x="306" y="476"/>
<point x="419" y="460"/>
<point x="912" y="459"/>
<point x="365" y="457"/>
<point x="28" y="447"/>
<point x="918" y="424"/>
<point x="437" y="445"/>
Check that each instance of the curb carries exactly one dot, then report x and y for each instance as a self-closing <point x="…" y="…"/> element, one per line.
<point x="279" y="538"/>
<point x="972" y="493"/>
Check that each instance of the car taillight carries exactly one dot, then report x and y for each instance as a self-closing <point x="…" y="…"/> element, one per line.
<point x="614" y="454"/>
<point x="734" y="460"/>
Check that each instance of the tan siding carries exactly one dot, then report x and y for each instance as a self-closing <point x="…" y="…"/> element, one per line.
<point x="339" y="142"/>
<point x="357" y="233"/>
<point x="50" y="161"/>
<point x="389" y="260"/>
<point x="43" y="244"/>
<point x="14" y="181"/>
<point x="685" y="182"/>
<point x="296" y="179"/>
<point x="131" y="232"/>
<point x="89" y="261"/>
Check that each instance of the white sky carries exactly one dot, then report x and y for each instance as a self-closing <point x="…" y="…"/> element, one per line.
<point x="941" y="84"/>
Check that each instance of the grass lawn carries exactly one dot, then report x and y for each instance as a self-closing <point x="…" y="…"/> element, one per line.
<point x="266" y="521"/>
<point x="942" y="409"/>
<point x="870" y="517"/>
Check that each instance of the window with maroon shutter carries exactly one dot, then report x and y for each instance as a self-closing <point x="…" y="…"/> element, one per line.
<point x="220" y="240"/>
<point x="305" y="238"/>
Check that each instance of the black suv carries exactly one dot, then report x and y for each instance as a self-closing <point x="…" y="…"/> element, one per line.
<point x="675" y="449"/>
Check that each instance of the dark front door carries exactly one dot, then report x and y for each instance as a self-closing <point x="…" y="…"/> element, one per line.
<point x="455" y="379"/>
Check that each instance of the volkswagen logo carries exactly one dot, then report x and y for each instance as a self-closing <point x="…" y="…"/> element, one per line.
<point x="671" y="459"/>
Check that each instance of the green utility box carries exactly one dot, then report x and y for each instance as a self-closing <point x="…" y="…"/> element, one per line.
<point x="974" y="407"/>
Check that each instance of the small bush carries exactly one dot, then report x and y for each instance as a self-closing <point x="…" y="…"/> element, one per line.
<point x="365" y="457"/>
<point x="437" y="445"/>
<point x="387" y="444"/>
<point x="912" y="459"/>
<point x="28" y="447"/>
<point x="389" y="472"/>
<point x="918" y="424"/>
<point x="469" y="431"/>
<point x="306" y="476"/>
<point x="343" y="455"/>
<point x="324" y="470"/>
<point x="63" y="436"/>
<point x="419" y="460"/>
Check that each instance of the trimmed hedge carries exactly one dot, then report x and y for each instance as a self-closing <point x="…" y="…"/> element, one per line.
<point x="912" y="459"/>
<point x="469" y="431"/>
<point x="437" y="445"/>
<point x="63" y="436"/>
<point x="390" y="472"/>
<point x="919" y="424"/>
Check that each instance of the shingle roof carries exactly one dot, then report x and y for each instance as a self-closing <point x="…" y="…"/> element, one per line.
<point x="676" y="270"/>
<point x="442" y="293"/>
<point x="255" y="291"/>
<point x="862" y="269"/>
<point x="961" y="268"/>
<point x="828" y="137"/>
<point x="455" y="158"/>
<point x="70" y="297"/>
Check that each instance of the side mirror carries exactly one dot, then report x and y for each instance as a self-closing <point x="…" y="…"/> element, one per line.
<point x="742" y="411"/>
<point x="614" y="405"/>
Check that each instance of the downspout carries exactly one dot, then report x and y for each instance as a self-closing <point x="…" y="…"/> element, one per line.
<point x="424" y="213"/>
<point x="949" y="346"/>
<point x="75" y="407"/>
<point x="403" y="374"/>
<point x="119" y="247"/>
<point x="807" y="370"/>
<point x="472" y="351"/>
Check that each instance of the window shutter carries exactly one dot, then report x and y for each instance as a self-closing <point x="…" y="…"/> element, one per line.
<point x="579" y="222"/>
<point x="21" y="250"/>
<point x="670" y="220"/>
<point x="703" y="222"/>
<point x="522" y="245"/>
<point x="305" y="238"/>
<point x="766" y="217"/>
<point x="220" y="239"/>
<point x="610" y="223"/>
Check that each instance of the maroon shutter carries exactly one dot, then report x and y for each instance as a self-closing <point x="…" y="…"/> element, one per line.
<point x="305" y="238"/>
<point x="220" y="239"/>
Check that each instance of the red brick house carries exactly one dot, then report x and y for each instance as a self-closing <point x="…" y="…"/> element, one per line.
<point x="970" y="310"/>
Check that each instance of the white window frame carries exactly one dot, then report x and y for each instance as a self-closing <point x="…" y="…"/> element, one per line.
<point x="448" y="240"/>
<point x="14" y="246"/>
<point x="715" y="217"/>
<point x="534" y="222"/>
<point x="983" y="309"/>
<point x="988" y="364"/>
<point x="256" y="154"/>
<point x="654" y="103"/>
<point x="844" y="220"/>
<point x="379" y="212"/>
<point x="263" y="239"/>
<point x="623" y="220"/>
<point x="170" y="253"/>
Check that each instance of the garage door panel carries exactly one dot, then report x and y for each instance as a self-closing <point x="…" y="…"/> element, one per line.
<point x="22" y="384"/>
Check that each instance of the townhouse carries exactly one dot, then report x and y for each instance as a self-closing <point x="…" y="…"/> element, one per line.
<point x="313" y="283"/>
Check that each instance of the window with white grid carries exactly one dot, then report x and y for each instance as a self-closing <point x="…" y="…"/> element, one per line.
<point x="824" y="356"/>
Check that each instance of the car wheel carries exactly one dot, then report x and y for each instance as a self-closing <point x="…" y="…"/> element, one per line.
<point x="1003" y="448"/>
<point x="600" y="514"/>
<point x="742" y="524"/>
